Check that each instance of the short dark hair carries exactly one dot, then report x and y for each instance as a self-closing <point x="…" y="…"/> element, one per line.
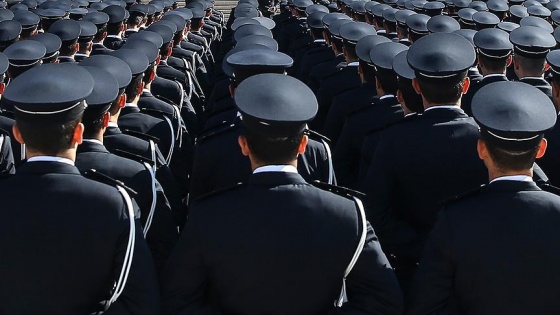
<point x="368" y="71"/>
<point x="196" y="23"/>
<point x="412" y="100"/>
<point x="336" y="43"/>
<point x="390" y="27"/>
<point x="132" y="89"/>
<point x="67" y="47"/>
<point x="272" y="150"/>
<point x="47" y="138"/>
<point x="114" y="28"/>
<point x="115" y="106"/>
<point x="27" y="32"/>
<point x="507" y="160"/>
<point x="493" y="64"/>
<point x="388" y="81"/>
<point x="442" y="91"/>
<point x="92" y="124"/>
<point x="534" y="66"/>
<point x="350" y="50"/>
<point x="15" y="71"/>
<point x="100" y="31"/>
<point x="135" y="19"/>
<point x="148" y="73"/>
<point x="316" y="33"/>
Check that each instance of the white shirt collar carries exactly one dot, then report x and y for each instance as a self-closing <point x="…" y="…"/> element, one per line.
<point x="145" y="90"/>
<point x="80" y="54"/>
<point x="353" y="64"/>
<point x="409" y="114"/>
<point x="93" y="141"/>
<point x="441" y="107"/>
<point x="113" y="36"/>
<point x="113" y="124"/>
<point x="43" y="158"/>
<point x="494" y="75"/>
<point x="319" y="41"/>
<point x="381" y="32"/>
<point x="276" y="168"/>
<point x="517" y="178"/>
<point x="130" y="105"/>
<point x="386" y="96"/>
<point x="538" y="78"/>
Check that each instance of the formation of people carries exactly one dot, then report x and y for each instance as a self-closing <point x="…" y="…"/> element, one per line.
<point x="297" y="157"/>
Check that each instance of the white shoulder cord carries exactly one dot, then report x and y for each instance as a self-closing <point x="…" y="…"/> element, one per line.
<point x="153" y="152"/>
<point x="168" y="159"/>
<point x="121" y="283"/>
<point x="154" y="199"/>
<point x="180" y="125"/>
<point x="1" y="142"/>
<point x="22" y="147"/>
<point x="329" y="157"/>
<point x="343" y="298"/>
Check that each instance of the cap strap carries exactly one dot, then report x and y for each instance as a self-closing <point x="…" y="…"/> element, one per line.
<point x="437" y="76"/>
<point x="51" y="112"/>
<point x="512" y="139"/>
<point x="480" y="51"/>
<point x="532" y="52"/>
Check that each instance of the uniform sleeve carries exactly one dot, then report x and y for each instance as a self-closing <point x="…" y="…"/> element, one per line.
<point x="140" y="295"/>
<point x="372" y="287"/>
<point x="381" y="189"/>
<point x="433" y="285"/>
<point x="184" y="277"/>
<point x="163" y="234"/>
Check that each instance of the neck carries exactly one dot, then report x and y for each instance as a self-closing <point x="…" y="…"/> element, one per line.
<point x="486" y="72"/>
<point x="68" y="154"/>
<point x="428" y="104"/>
<point x="257" y="164"/>
<point x="98" y="135"/>
<point x="494" y="173"/>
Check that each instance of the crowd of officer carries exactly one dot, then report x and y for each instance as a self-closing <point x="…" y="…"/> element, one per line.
<point x="299" y="157"/>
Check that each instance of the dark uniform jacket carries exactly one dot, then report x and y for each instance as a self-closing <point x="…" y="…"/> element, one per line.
<point x="64" y="238"/>
<point x="116" y="142"/>
<point x="99" y="49"/>
<point x="466" y="101"/>
<point x="317" y="53"/>
<point x="345" y="79"/>
<point x="540" y="84"/>
<point x="278" y="257"/>
<point x="346" y="155"/>
<point x="219" y="163"/>
<point x="404" y="194"/>
<point x="493" y="252"/>
<point x="549" y="162"/>
<point x="343" y="105"/>
<point x="113" y="43"/>
<point x="162" y="234"/>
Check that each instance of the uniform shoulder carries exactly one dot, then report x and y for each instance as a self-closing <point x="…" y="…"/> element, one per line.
<point x="338" y="190"/>
<point x="101" y="178"/>
<point x="465" y="196"/>
<point x="217" y="192"/>
<point x="217" y="131"/>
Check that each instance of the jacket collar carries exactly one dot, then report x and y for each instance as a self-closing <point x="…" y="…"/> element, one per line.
<point x="271" y="179"/>
<point x="89" y="146"/>
<point x="512" y="185"/>
<point x="445" y="113"/>
<point x="39" y="168"/>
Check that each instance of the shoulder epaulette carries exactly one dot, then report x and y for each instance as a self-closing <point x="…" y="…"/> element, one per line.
<point x="100" y="177"/>
<point x="132" y="156"/>
<point x="217" y="131"/>
<point x="315" y="134"/>
<point x="217" y="192"/>
<point x="550" y="188"/>
<point x="404" y="120"/>
<point x="165" y="99"/>
<point x="151" y="111"/>
<point x="140" y="135"/>
<point x="343" y="191"/>
<point x="465" y="195"/>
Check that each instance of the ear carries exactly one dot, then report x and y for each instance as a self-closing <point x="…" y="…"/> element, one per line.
<point x="78" y="134"/>
<point x="2" y="88"/>
<point x="140" y="88"/>
<point x="509" y="61"/>
<point x="481" y="149"/>
<point x="542" y="148"/>
<point x="106" y="118"/>
<point x="416" y="86"/>
<point x="76" y="48"/>
<point x="231" y="90"/>
<point x="302" y="144"/>
<point x="466" y="85"/>
<point x="17" y="134"/>
<point x="400" y="97"/>
<point x="515" y="64"/>
<point x="104" y="35"/>
<point x="152" y="75"/>
<point x="242" y="141"/>
<point x="546" y="66"/>
<point x="122" y="100"/>
<point x="158" y="59"/>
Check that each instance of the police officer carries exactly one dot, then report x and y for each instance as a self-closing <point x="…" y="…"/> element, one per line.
<point x="265" y="220"/>
<point x="403" y="195"/>
<point x="71" y="225"/>
<point x="481" y="249"/>
<point x="156" y="217"/>
<point x="69" y="32"/>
